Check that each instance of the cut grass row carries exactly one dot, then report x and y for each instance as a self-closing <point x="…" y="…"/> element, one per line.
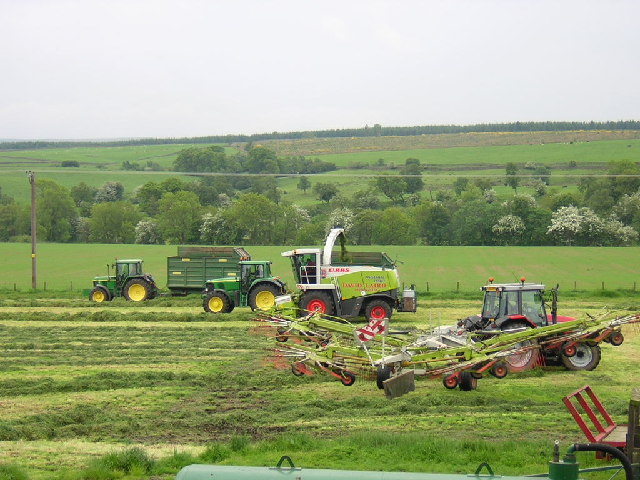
<point x="112" y="378"/>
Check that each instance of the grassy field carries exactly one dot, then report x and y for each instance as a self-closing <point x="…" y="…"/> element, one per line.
<point x="554" y="154"/>
<point x="72" y="266"/>
<point x="79" y="383"/>
<point x="97" y="166"/>
<point x="447" y="157"/>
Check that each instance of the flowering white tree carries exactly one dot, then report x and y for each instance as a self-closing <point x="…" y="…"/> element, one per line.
<point x="147" y="232"/>
<point x="509" y="229"/>
<point x="584" y="227"/>
<point x="490" y="195"/>
<point x="213" y="228"/>
<point x="566" y="223"/>
<point x="628" y="208"/>
<point x="341" y="217"/>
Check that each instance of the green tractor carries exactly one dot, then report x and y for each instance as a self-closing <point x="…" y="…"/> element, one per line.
<point x="129" y="282"/>
<point x="254" y="287"/>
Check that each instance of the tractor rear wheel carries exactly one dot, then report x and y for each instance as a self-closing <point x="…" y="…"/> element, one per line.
<point x="526" y="360"/>
<point x="137" y="290"/>
<point x="263" y="296"/>
<point x="587" y="357"/>
<point x="317" y="301"/>
<point x="217" y="302"/>
<point x="377" y="310"/>
<point x="99" y="295"/>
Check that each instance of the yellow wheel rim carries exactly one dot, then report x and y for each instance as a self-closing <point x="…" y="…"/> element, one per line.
<point x="137" y="293"/>
<point x="216" y="304"/>
<point x="265" y="300"/>
<point x="98" y="296"/>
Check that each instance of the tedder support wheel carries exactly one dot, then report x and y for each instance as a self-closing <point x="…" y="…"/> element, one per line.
<point x="450" y="381"/>
<point x="499" y="370"/>
<point x="137" y="290"/>
<point x="348" y="379"/>
<point x="217" y="302"/>
<point x="99" y="294"/>
<point x="468" y="382"/>
<point x="587" y="357"/>
<point x="317" y="301"/>
<point x="377" y="310"/>
<point x="263" y="296"/>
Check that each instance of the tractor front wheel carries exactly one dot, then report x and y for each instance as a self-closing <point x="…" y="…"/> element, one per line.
<point x="377" y="310"/>
<point x="317" y="302"/>
<point x="137" y="290"/>
<point x="99" y="295"/>
<point x="217" y="302"/>
<point x="263" y="296"/>
<point x="587" y="357"/>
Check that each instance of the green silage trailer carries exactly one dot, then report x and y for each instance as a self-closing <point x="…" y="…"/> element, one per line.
<point x="189" y="270"/>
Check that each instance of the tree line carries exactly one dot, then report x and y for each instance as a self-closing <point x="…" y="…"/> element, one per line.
<point x="376" y="130"/>
<point x="393" y="209"/>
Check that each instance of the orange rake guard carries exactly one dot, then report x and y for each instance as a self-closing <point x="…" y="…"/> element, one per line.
<point x="606" y="430"/>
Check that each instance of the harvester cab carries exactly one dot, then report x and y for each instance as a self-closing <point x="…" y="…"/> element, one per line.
<point x="255" y="287"/>
<point x="129" y="282"/>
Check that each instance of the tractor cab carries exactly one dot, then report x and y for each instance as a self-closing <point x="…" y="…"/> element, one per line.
<point x="250" y="271"/>
<point x="511" y="301"/>
<point x="514" y="304"/>
<point x="127" y="268"/>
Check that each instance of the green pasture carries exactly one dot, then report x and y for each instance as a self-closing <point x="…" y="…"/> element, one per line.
<point x="440" y="269"/>
<point x="547" y="154"/>
<point x="97" y="166"/>
<point x="106" y="157"/>
<point x="101" y="164"/>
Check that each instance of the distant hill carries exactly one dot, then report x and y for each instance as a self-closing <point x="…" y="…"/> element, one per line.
<point x="365" y="132"/>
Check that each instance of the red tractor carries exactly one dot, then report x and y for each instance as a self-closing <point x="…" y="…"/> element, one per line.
<point x="511" y="307"/>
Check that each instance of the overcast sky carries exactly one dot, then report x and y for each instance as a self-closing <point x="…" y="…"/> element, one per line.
<point x="168" y="68"/>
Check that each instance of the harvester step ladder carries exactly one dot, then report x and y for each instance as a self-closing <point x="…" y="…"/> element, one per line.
<point x="605" y="430"/>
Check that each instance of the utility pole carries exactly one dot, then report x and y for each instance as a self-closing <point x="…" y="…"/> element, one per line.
<point x="32" y="180"/>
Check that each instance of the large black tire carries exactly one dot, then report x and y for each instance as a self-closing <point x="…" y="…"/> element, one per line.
<point x="468" y="382"/>
<point x="217" y="302"/>
<point x="318" y="301"/>
<point x="99" y="294"/>
<point x="377" y="310"/>
<point x="384" y="373"/>
<point x="137" y="290"/>
<point x="520" y="361"/>
<point x="587" y="357"/>
<point x="263" y="296"/>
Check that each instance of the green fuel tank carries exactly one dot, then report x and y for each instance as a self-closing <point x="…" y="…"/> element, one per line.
<point x="219" y="472"/>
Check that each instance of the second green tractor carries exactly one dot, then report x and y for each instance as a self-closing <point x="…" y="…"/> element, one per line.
<point x="252" y="286"/>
